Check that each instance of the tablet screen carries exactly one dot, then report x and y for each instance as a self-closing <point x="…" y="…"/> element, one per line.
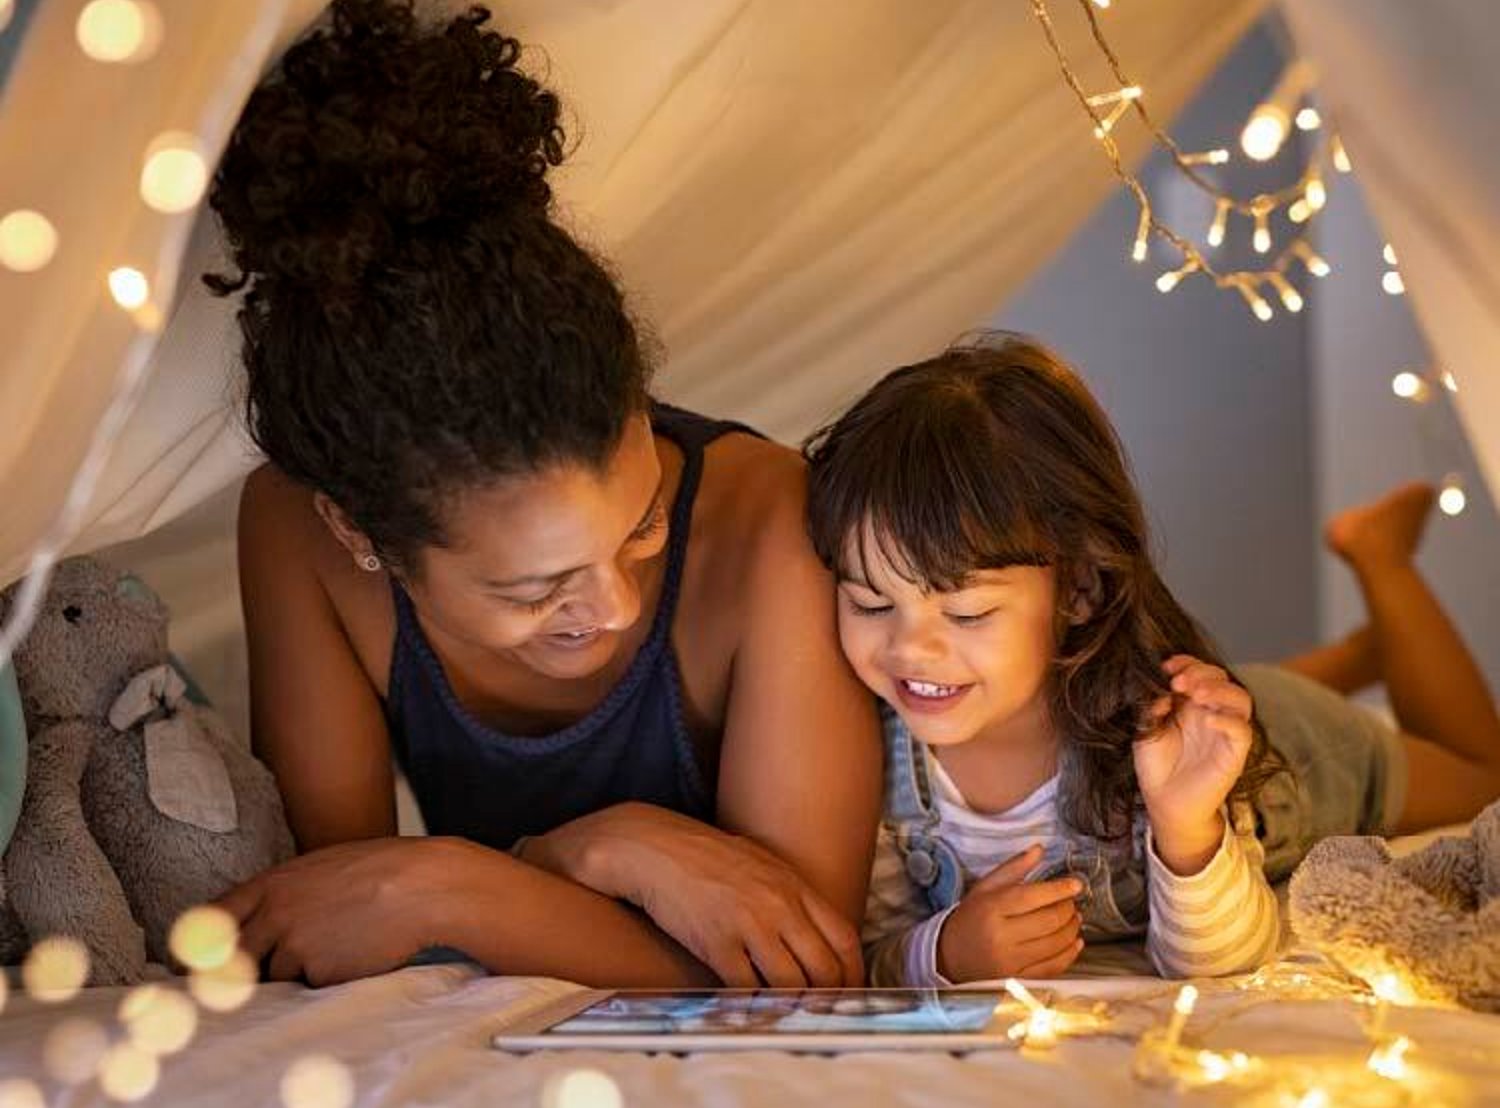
<point x="785" y="1011"/>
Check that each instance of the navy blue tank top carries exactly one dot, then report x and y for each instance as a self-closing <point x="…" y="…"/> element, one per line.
<point x="473" y="781"/>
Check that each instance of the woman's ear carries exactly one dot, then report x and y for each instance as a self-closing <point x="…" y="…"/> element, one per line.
<point x="350" y="537"/>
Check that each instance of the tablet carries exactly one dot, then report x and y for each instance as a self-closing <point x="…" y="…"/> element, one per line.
<point x="802" y="1020"/>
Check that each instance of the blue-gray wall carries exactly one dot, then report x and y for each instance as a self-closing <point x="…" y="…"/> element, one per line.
<point x="1213" y="405"/>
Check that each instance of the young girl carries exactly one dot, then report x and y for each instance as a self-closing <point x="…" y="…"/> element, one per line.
<point x="1067" y="757"/>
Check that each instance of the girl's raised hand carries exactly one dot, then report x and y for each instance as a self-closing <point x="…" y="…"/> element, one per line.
<point x="1187" y="765"/>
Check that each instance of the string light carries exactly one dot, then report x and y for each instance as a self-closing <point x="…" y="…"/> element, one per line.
<point x="1411" y="386"/>
<point x="581" y="1088"/>
<point x="1142" y="235"/>
<point x="1314" y="263"/>
<point x="317" y="1081"/>
<point x="1221" y="219"/>
<point x="227" y="987"/>
<point x="119" y="31"/>
<point x="1257" y="302"/>
<point x="1261" y="240"/>
<point x="129" y="287"/>
<point x="128" y="1073"/>
<point x="1315" y="194"/>
<point x="1451" y="498"/>
<point x="1389" y="1059"/>
<point x="1290" y="297"/>
<point x="17" y="1092"/>
<point x="158" y="1020"/>
<point x="1388" y="252"/>
<point x="174" y="174"/>
<point x="1299" y="211"/>
<point x="1449" y="381"/>
<point x="1392" y="283"/>
<point x="1169" y="280"/>
<point x="1340" y="155"/>
<point x="1308" y="119"/>
<point x="28" y="241"/>
<point x="55" y="969"/>
<point x="1268" y="126"/>
<point x="1121" y="101"/>
<point x="1219" y="156"/>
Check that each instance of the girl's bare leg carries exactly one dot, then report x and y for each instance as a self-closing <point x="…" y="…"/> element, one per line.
<point x="1437" y="691"/>
<point x="1346" y="666"/>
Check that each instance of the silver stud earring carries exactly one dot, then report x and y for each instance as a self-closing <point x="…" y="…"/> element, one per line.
<point x="368" y="562"/>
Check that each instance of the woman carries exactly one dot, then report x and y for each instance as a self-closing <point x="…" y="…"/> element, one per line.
<point x="586" y="625"/>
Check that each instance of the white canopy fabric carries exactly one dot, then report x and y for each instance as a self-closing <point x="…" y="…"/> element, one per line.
<point x="1414" y="89"/>
<point x="796" y="195"/>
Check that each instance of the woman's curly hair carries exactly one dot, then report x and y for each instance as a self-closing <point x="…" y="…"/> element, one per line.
<point x="414" y="321"/>
<point x="995" y="454"/>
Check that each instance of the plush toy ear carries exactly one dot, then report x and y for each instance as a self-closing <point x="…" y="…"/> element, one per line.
<point x="131" y="587"/>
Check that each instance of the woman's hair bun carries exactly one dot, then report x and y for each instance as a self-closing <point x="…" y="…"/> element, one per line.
<point x="375" y="131"/>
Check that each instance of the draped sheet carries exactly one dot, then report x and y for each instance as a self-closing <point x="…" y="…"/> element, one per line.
<point x="1414" y="89"/>
<point x="797" y="196"/>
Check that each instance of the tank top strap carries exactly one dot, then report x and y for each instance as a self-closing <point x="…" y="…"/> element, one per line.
<point x="692" y="433"/>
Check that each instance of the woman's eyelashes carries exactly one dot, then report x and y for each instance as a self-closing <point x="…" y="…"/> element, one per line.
<point x="648" y="530"/>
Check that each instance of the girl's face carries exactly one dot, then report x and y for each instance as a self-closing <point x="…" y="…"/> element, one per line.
<point x="547" y="569"/>
<point x="957" y="665"/>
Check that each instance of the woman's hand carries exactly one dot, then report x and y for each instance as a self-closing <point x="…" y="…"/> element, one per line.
<point x="1187" y="766"/>
<point x="351" y="910"/>
<point x="732" y="904"/>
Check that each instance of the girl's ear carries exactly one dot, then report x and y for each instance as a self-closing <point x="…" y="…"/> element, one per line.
<point x="350" y="537"/>
<point x="1088" y="594"/>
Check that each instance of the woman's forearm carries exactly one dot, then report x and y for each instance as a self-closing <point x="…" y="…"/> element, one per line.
<point x="517" y="919"/>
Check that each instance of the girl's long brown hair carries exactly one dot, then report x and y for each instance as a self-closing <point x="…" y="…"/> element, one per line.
<point x="993" y="454"/>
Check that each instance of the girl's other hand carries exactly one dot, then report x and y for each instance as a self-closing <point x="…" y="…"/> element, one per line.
<point x="1005" y="927"/>
<point x="736" y="907"/>
<point x="1187" y="765"/>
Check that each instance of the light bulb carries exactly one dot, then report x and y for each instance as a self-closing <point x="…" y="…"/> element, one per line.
<point x="1315" y="194"/>
<point x="1392" y="283"/>
<point x="1221" y="219"/>
<point x="175" y="174"/>
<point x="1409" y="386"/>
<point x="119" y="30"/>
<point x="1449" y="381"/>
<point x="129" y="287"/>
<point x="1308" y="119"/>
<point x="28" y="241"/>
<point x="1451" y="499"/>
<point x="1299" y="211"/>
<point x="1264" y="134"/>
<point x="1340" y="156"/>
<point x="1261" y="240"/>
<point x="1290" y="297"/>
<point x="317" y="1081"/>
<point x="1388" y="252"/>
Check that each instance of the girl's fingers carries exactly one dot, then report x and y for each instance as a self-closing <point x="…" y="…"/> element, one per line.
<point x="1052" y="920"/>
<point x="1177" y="663"/>
<point x="1225" y="697"/>
<point x="1190" y="677"/>
<point x="1056" y="965"/>
<point x="1012" y="871"/>
<point x="1024" y="899"/>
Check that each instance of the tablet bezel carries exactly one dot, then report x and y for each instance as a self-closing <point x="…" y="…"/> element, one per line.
<point x="529" y="1033"/>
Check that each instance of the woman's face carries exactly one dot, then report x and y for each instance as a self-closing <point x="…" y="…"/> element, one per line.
<point x="546" y="568"/>
<point x="956" y="665"/>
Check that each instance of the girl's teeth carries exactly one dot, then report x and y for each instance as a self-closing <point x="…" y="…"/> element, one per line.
<point x="924" y="688"/>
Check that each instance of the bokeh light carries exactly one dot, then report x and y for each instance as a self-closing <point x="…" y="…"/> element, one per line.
<point x="227" y="987"/>
<point x="17" y="1092"/>
<point x="128" y="1073"/>
<point x="55" y="969"/>
<point x="175" y="173"/>
<point x="317" y="1081"/>
<point x="73" y="1049"/>
<point x="204" y="938"/>
<point x="119" y="30"/>
<point x="581" y="1088"/>
<point x="158" y="1020"/>
<point x="129" y="287"/>
<point x="27" y="240"/>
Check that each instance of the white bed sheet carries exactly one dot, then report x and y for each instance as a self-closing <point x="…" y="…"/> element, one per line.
<point x="419" y="1037"/>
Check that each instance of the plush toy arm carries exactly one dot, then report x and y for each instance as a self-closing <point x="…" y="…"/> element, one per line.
<point x="60" y="882"/>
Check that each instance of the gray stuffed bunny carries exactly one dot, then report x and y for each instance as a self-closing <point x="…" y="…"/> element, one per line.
<point x="1432" y="918"/>
<point x="139" y="804"/>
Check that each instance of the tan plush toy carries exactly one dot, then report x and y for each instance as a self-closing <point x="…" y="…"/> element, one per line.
<point x="1432" y="918"/>
<point x="139" y="803"/>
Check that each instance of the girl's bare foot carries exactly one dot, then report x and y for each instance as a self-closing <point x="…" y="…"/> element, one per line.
<point x="1383" y="533"/>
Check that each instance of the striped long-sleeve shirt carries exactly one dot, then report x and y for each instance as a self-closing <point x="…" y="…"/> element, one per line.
<point x="1219" y="921"/>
